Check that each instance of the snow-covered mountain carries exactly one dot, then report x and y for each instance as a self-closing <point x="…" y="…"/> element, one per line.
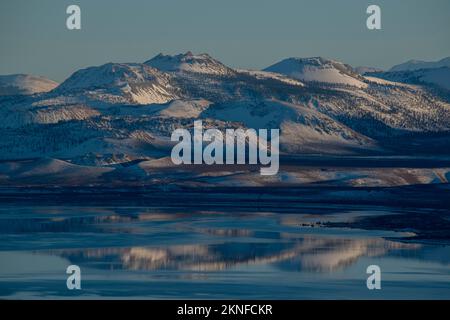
<point x="120" y="113"/>
<point x="188" y="62"/>
<point x="439" y="77"/>
<point x="417" y="72"/>
<point x="121" y="83"/>
<point x="318" y="69"/>
<point x="303" y="129"/>
<point x="412" y="65"/>
<point x="24" y="84"/>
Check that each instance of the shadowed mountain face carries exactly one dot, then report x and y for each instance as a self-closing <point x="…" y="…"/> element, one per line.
<point x="116" y="114"/>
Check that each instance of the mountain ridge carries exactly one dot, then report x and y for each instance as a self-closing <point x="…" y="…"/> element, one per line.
<point x="188" y="62"/>
<point x="119" y="112"/>
<point x="413" y="65"/>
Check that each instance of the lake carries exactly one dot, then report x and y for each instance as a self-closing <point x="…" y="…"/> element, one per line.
<point x="212" y="252"/>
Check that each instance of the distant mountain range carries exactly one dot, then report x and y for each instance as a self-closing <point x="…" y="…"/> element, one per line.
<point x="439" y="77"/>
<point x="108" y="118"/>
<point x="23" y="84"/>
<point x="418" y="72"/>
<point x="412" y="65"/>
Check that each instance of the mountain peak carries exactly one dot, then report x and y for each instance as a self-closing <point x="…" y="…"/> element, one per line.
<point x="311" y="60"/>
<point x="110" y="74"/>
<point x="318" y="69"/>
<point x="124" y="82"/>
<point x="412" y="65"/>
<point x="188" y="62"/>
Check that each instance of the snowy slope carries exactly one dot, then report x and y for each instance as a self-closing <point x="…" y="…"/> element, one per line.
<point x="121" y="83"/>
<point x="412" y="65"/>
<point x="49" y="171"/>
<point x="15" y="113"/>
<point x="122" y="112"/>
<point x="24" y="84"/>
<point x="303" y="129"/>
<point x="183" y="109"/>
<point x="270" y="75"/>
<point x="318" y="69"/>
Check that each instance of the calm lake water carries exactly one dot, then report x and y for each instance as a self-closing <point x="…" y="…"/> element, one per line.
<point x="169" y="252"/>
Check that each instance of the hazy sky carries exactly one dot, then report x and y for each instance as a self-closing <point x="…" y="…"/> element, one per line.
<point x="240" y="33"/>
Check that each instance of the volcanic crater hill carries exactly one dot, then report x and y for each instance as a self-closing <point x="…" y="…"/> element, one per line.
<point x="122" y="112"/>
<point x="190" y="63"/>
<point x="318" y="69"/>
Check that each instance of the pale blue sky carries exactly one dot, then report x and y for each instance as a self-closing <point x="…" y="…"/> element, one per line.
<point x="240" y="33"/>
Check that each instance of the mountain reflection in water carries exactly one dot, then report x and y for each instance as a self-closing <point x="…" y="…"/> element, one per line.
<point x="310" y="254"/>
<point x="179" y="253"/>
